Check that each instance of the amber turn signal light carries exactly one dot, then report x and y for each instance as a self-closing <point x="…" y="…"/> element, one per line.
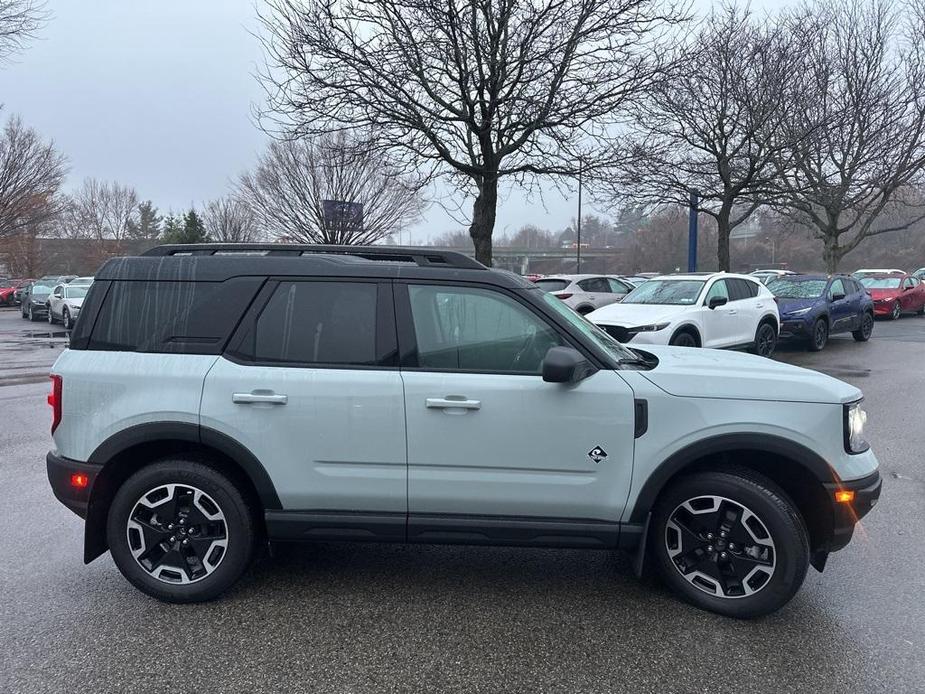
<point x="844" y="496"/>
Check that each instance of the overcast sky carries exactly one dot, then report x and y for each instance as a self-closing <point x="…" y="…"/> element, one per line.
<point x="159" y="95"/>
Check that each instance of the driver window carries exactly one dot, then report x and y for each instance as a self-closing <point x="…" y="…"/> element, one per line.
<point x="58" y="291"/>
<point x="837" y="288"/>
<point x="477" y="330"/>
<point x="908" y="283"/>
<point x="718" y="289"/>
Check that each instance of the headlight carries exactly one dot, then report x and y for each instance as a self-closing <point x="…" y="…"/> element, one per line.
<point x="855" y="418"/>
<point x="798" y="312"/>
<point x="655" y="327"/>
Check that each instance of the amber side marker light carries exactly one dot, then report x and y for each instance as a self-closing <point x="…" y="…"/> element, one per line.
<point x="844" y="496"/>
<point x="79" y="480"/>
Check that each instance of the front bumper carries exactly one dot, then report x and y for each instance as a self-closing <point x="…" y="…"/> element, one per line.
<point x="60" y="473"/>
<point x="883" y="308"/>
<point x="795" y="329"/>
<point x="845" y="515"/>
<point x="624" y="335"/>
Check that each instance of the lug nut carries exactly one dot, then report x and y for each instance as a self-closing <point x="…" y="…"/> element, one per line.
<point x="170" y="526"/>
<point x="186" y="541"/>
<point x="722" y="555"/>
<point x="182" y="521"/>
<point x="709" y="536"/>
<point x="709" y="548"/>
<point x="732" y="547"/>
<point x="173" y="538"/>
<point x="722" y="533"/>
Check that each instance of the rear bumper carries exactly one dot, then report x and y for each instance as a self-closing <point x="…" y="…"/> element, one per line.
<point x="846" y="515"/>
<point x="60" y="473"/>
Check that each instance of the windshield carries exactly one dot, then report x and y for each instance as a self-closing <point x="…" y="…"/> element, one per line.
<point x="681" y="292"/>
<point x="40" y="289"/>
<point x="881" y="282"/>
<point x="590" y="330"/>
<point x="797" y="289"/>
<point x="552" y="285"/>
<point x="76" y="292"/>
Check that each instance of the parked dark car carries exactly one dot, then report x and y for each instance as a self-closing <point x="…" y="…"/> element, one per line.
<point x="21" y="287"/>
<point x="35" y="299"/>
<point x="813" y="307"/>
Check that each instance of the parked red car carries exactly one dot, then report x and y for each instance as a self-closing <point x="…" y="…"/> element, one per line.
<point x="7" y="287"/>
<point x="895" y="294"/>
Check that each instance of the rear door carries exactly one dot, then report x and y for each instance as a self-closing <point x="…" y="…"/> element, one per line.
<point x="310" y="386"/>
<point x="596" y="290"/>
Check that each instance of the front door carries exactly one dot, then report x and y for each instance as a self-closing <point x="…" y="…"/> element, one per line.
<point x="487" y="437"/>
<point x="722" y="325"/>
<point x="311" y="388"/>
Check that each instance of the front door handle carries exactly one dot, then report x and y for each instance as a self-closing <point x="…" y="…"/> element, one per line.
<point x="453" y="402"/>
<point x="255" y="397"/>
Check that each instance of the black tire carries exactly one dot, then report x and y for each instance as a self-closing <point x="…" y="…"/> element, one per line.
<point x="771" y="587"/>
<point x="51" y="317"/>
<point x="66" y="319"/>
<point x="897" y="311"/>
<point x="684" y="338"/>
<point x="237" y="524"/>
<point x="863" y="333"/>
<point x="921" y="311"/>
<point x="765" y="340"/>
<point x="819" y="336"/>
<point x="32" y="316"/>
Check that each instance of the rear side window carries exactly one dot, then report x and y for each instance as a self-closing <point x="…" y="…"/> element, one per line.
<point x="595" y="284"/>
<point x="552" y="285"/>
<point x="332" y="323"/>
<point x="741" y="289"/>
<point x="171" y="317"/>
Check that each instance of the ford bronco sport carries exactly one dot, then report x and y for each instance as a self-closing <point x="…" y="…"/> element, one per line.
<point x="217" y="397"/>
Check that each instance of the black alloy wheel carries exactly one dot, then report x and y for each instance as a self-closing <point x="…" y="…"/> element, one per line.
<point x="863" y="333"/>
<point x="683" y="339"/>
<point x="819" y="336"/>
<point x="765" y="340"/>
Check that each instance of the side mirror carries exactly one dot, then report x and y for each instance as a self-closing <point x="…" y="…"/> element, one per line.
<point x="565" y="365"/>
<point x="838" y="296"/>
<point x="717" y="301"/>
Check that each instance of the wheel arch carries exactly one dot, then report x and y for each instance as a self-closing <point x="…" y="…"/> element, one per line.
<point x="770" y="318"/>
<point x="688" y="327"/>
<point x="799" y="471"/>
<point x="132" y="449"/>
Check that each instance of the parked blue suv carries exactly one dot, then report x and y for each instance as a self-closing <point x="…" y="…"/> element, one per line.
<point x="813" y="307"/>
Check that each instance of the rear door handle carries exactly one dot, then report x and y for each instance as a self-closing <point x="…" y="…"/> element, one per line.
<point x="453" y="401"/>
<point x="249" y="398"/>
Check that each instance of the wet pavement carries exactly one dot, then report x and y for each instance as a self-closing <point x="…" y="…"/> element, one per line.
<point x="370" y="618"/>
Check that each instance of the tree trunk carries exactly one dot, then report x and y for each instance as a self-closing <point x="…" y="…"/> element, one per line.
<point x="723" y="231"/>
<point x="831" y="252"/>
<point x="483" y="219"/>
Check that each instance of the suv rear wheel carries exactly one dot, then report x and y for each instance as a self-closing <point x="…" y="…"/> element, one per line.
<point x="765" y="340"/>
<point x="730" y="542"/>
<point x="180" y="531"/>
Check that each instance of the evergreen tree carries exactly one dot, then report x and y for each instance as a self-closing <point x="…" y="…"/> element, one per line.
<point x="147" y="225"/>
<point x="186" y="229"/>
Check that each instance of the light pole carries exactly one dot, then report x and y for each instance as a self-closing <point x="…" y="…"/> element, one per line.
<point x="578" y="230"/>
<point x="692" y="232"/>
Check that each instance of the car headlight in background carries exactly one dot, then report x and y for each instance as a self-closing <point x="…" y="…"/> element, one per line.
<point x="855" y="418"/>
<point x="655" y="327"/>
<point x="798" y="312"/>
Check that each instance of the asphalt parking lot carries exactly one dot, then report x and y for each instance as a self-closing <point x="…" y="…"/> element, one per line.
<point x="359" y="618"/>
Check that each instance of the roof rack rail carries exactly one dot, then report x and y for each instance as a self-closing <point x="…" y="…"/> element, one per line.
<point x="425" y="257"/>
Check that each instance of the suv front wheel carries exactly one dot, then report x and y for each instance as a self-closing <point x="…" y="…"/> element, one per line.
<point x="730" y="542"/>
<point x="180" y="531"/>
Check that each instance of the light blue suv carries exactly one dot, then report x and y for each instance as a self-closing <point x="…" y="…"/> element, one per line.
<point x="218" y="397"/>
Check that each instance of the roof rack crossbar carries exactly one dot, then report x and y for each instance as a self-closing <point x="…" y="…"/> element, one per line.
<point x="422" y="256"/>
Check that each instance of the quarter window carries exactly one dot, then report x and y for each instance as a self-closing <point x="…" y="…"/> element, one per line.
<point x="471" y="329"/>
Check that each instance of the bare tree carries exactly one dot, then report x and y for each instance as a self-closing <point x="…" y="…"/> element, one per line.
<point x="230" y="220"/>
<point x="31" y="171"/>
<point x="479" y="90"/>
<point x="100" y="210"/>
<point x="717" y="125"/>
<point x="864" y="110"/>
<point x="20" y="20"/>
<point x="293" y="179"/>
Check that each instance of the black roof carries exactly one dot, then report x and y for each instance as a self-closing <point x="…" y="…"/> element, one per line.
<point x="219" y="262"/>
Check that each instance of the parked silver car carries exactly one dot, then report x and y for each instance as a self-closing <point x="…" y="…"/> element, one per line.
<point x="64" y="303"/>
<point x="585" y="293"/>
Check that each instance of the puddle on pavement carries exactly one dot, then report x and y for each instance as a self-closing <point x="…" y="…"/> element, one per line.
<point x="847" y="372"/>
<point x="44" y="333"/>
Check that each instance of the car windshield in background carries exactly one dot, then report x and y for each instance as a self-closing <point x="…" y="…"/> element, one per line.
<point x="589" y="329"/>
<point x="797" y="289"/>
<point x="78" y="292"/>
<point x="881" y="282"/>
<point x="40" y="289"/>
<point x="552" y="285"/>
<point x="681" y="292"/>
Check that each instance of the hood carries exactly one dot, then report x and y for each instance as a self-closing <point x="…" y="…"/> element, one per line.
<point x="785" y="306"/>
<point x="76" y="303"/>
<point x="632" y="315"/>
<point x="884" y="293"/>
<point x="39" y="295"/>
<point x="713" y="373"/>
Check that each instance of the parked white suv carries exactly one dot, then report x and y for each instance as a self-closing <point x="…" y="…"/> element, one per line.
<point x="584" y="293"/>
<point x="213" y="400"/>
<point x="708" y="310"/>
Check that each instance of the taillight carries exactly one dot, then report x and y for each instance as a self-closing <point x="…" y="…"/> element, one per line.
<point x="563" y="295"/>
<point x="54" y="399"/>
